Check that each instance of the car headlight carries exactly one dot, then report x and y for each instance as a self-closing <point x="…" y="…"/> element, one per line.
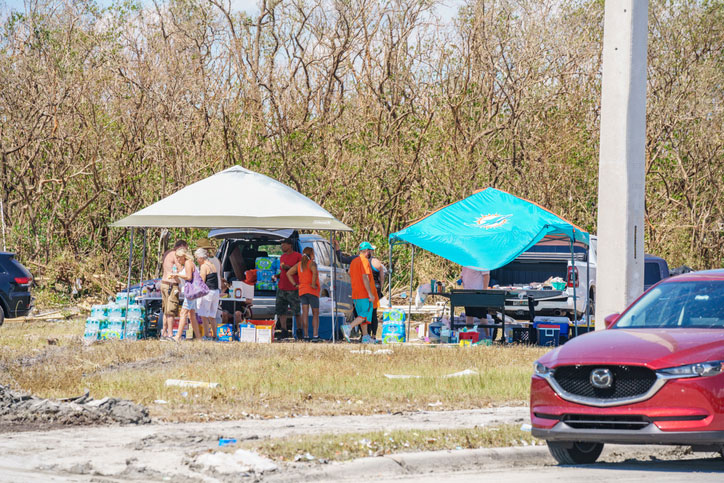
<point x="541" y="370"/>
<point x="701" y="369"/>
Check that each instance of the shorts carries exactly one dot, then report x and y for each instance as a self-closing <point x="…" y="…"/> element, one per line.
<point x="287" y="299"/>
<point x="309" y="299"/>
<point x="364" y="309"/>
<point x="169" y="299"/>
<point x="208" y="304"/>
<point x="189" y="304"/>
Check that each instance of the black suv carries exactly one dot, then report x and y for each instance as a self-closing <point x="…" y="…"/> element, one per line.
<point x="15" y="281"/>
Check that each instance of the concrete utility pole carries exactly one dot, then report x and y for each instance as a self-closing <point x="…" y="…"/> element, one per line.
<point x="621" y="170"/>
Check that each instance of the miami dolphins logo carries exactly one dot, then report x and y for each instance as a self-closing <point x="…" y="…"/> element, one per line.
<point x="492" y="221"/>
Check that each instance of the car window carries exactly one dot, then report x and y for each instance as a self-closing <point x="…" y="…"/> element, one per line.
<point x="321" y="251"/>
<point x="270" y="249"/>
<point x="678" y="305"/>
<point x="652" y="273"/>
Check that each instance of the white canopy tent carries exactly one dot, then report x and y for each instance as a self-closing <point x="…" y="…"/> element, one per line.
<point x="233" y="198"/>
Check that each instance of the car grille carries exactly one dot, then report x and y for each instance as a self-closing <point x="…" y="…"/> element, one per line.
<point x="592" y="421"/>
<point x="628" y="381"/>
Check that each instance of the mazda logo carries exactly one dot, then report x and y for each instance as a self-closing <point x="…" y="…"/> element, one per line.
<point x="601" y="378"/>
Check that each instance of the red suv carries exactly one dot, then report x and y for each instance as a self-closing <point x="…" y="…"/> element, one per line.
<point x="656" y="376"/>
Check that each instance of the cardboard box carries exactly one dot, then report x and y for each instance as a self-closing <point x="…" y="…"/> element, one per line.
<point x="225" y="332"/>
<point x="247" y="333"/>
<point x="264" y="334"/>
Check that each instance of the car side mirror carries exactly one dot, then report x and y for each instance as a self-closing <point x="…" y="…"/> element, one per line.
<point x="611" y="319"/>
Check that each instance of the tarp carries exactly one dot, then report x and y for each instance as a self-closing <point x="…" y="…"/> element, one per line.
<point x="487" y="230"/>
<point x="235" y="198"/>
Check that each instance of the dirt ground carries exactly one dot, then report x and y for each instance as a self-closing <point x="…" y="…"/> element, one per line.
<point x="185" y="451"/>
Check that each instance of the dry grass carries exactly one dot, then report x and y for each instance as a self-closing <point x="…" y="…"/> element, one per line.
<point x="341" y="447"/>
<point x="260" y="380"/>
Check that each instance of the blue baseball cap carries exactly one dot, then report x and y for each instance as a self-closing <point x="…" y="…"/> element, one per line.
<point x="366" y="246"/>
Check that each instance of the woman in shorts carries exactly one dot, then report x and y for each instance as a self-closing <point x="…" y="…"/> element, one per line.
<point x="309" y="289"/>
<point x="209" y="303"/>
<point x="188" y="309"/>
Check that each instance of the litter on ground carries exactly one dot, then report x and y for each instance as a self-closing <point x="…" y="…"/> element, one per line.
<point x="182" y="383"/>
<point x="466" y="372"/>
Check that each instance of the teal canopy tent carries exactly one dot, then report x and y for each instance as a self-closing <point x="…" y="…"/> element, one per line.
<point x="487" y="230"/>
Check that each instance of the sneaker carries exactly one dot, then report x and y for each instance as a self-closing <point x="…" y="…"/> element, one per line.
<point x="366" y="339"/>
<point x="346" y="331"/>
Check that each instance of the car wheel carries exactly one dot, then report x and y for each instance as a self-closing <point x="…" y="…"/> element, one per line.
<point x="575" y="453"/>
<point x="2" y="315"/>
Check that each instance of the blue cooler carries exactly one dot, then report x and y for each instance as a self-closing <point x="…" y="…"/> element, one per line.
<point x="548" y="334"/>
<point x="561" y="322"/>
<point x="325" y="325"/>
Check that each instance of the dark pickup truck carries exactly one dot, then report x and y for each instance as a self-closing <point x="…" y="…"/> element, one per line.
<point x="655" y="270"/>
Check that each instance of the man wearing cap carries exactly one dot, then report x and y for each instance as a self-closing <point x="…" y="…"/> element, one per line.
<point x="170" y="289"/>
<point x="363" y="295"/>
<point x="287" y="292"/>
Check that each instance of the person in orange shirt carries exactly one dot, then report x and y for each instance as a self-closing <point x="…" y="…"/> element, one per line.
<point x="363" y="293"/>
<point x="308" y="291"/>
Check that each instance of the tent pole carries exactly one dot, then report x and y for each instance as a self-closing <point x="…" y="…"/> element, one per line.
<point x="574" y="281"/>
<point x="130" y="266"/>
<point x="389" y="277"/>
<point x="143" y="259"/>
<point x="588" y="286"/>
<point x="409" y="296"/>
<point x="333" y="258"/>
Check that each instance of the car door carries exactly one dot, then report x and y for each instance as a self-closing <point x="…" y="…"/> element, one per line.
<point x="342" y="286"/>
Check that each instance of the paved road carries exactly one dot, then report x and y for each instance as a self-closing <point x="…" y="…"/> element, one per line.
<point x="698" y="470"/>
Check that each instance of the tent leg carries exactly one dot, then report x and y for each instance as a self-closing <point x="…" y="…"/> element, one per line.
<point x="143" y="259"/>
<point x="409" y="299"/>
<point x="333" y="258"/>
<point x="389" y="278"/>
<point x="588" y="287"/>
<point x="574" y="282"/>
<point x="130" y="267"/>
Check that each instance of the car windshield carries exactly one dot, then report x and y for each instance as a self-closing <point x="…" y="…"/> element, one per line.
<point x="678" y="305"/>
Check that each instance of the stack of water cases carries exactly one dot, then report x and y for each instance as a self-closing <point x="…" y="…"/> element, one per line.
<point x="114" y="321"/>
<point x="266" y="268"/>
